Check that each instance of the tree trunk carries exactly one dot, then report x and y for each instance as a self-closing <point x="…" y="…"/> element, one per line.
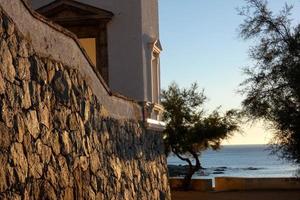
<point x="192" y="169"/>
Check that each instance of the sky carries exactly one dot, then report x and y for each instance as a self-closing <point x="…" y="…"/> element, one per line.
<point x="201" y="44"/>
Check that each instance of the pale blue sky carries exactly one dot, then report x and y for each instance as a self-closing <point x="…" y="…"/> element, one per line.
<point x="201" y="43"/>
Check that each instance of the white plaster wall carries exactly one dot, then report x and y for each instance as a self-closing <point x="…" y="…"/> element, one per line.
<point x="134" y="25"/>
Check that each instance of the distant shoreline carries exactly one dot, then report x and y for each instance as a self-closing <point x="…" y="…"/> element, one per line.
<point x="245" y="145"/>
<point x="236" y="161"/>
<point x="179" y="170"/>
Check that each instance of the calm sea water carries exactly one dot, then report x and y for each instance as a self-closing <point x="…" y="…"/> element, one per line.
<point x="241" y="161"/>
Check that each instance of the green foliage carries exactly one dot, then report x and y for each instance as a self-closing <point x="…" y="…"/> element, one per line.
<point x="272" y="90"/>
<point x="189" y="130"/>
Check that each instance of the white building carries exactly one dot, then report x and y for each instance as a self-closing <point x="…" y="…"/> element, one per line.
<point x="121" y="37"/>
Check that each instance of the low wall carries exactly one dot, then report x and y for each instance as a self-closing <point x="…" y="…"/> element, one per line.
<point x="202" y="185"/>
<point x="234" y="183"/>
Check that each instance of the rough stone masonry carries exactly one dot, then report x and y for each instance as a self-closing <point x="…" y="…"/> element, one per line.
<point x="56" y="140"/>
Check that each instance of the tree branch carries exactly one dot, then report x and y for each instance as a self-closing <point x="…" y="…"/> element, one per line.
<point x="182" y="158"/>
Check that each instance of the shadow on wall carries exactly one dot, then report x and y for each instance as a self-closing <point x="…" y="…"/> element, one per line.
<point x="56" y="140"/>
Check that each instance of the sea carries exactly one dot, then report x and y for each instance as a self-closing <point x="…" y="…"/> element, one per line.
<point x="241" y="161"/>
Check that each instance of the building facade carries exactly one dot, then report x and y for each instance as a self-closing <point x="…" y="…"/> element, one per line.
<point x="63" y="133"/>
<point x="121" y="39"/>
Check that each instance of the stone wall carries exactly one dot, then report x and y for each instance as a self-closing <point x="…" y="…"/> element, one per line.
<point x="57" y="139"/>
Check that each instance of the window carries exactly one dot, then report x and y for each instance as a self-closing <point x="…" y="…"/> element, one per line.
<point x="155" y="78"/>
<point x="89" y="24"/>
<point x="155" y="70"/>
<point x="89" y="45"/>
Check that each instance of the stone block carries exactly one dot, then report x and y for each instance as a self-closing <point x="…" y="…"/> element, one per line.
<point x="20" y="161"/>
<point x="32" y="123"/>
<point x="6" y="62"/>
<point x="5" y="137"/>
